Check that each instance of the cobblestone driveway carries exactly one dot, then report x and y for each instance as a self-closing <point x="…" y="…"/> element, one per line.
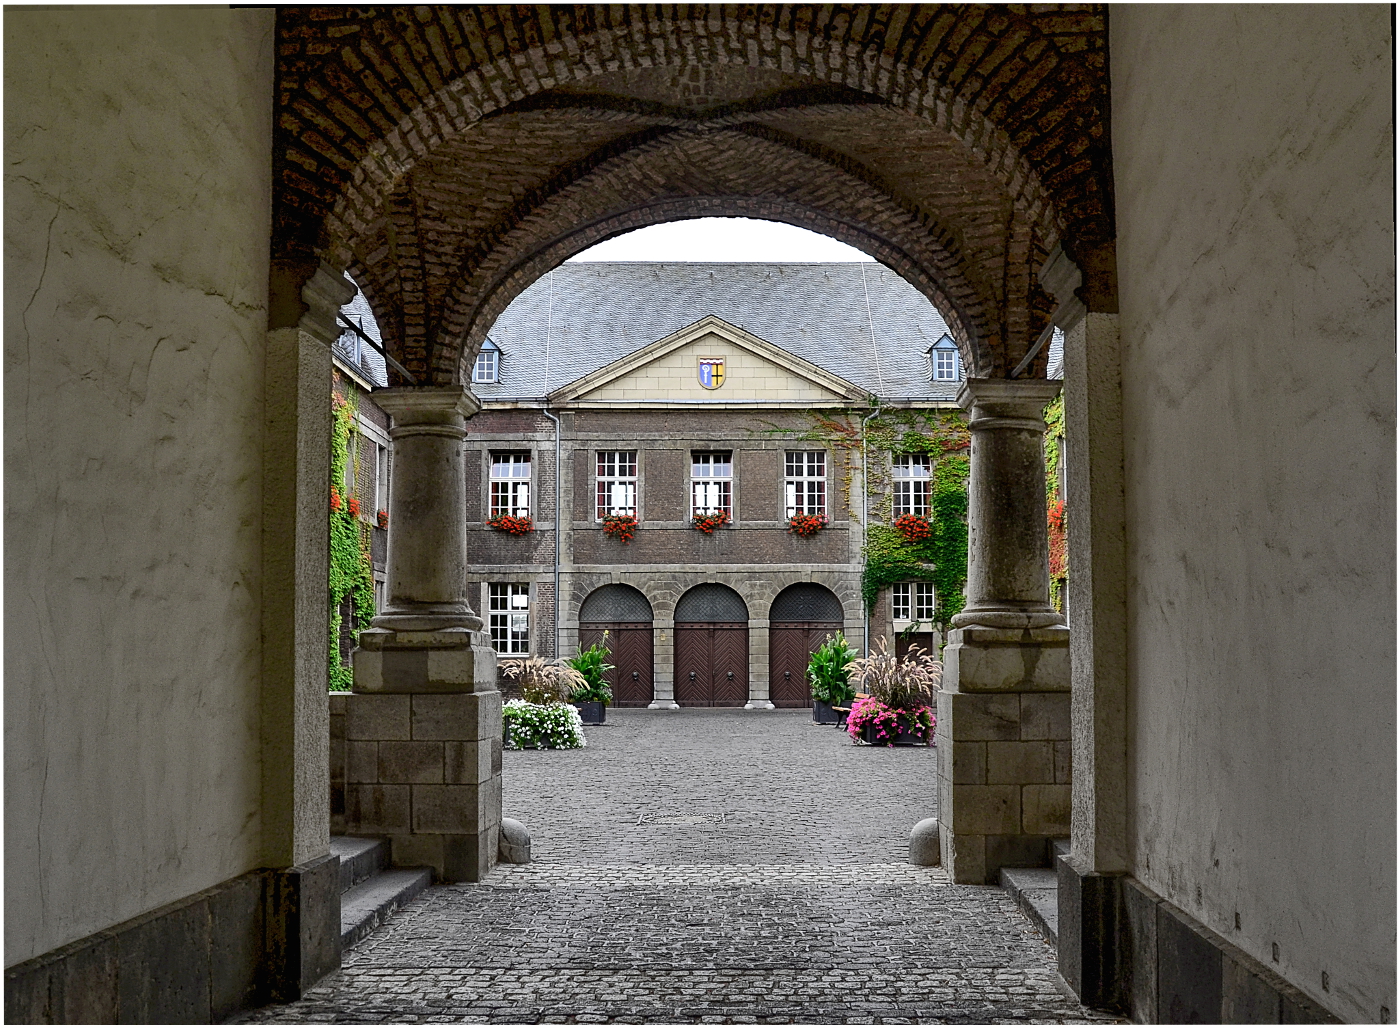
<point x="712" y="866"/>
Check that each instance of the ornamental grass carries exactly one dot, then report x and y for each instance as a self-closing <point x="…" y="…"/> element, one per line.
<point x="539" y="681"/>
<point x="899" y="694"/>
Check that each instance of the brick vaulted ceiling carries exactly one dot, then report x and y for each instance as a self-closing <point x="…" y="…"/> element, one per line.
<point x="449" y="156"/>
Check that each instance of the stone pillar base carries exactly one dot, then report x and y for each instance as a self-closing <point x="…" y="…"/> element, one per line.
<point x="1003" y="750"/>
<point x="423" y="749"/>
<point x="759" y="705"/>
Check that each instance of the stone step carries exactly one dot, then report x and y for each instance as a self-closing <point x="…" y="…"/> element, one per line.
<point x="1036" y="892"/>
<point x="359" y="858"/>
<point x="369" y="904"/>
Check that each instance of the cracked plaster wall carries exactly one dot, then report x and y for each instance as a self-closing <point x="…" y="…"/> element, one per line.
<point x="137" y="218"/>
<point x="1252" y="155"/>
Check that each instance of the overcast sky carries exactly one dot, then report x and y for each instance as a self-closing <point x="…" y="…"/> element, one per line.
<point x="722" y="239"/>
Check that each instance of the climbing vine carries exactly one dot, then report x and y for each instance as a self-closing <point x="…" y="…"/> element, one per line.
<point x="351" y="571"/>
<point x="890" y="556"/>
<point x="1054" y="502"/>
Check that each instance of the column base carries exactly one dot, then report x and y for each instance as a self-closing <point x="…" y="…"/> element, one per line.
<point x="759" y="705"/>
<point x="663" y="705"/>
<point x="1003" y="750"/>
<point x="424" y="769"/>
<point x="444" y="660"/>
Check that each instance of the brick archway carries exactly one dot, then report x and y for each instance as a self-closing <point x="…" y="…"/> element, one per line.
<point x="983" y="125"/>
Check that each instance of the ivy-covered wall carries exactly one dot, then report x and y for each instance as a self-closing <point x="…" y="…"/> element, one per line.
<point x="352" y="574"/>
<point x="1054" y="501"/>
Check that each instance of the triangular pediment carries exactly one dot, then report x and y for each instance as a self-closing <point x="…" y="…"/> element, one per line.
<point x="670" y="371"/>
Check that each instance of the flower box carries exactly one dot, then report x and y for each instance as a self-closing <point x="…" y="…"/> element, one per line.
<point x="913" y="527"/>
<point x="825" y="713"/>
<point x="707" y="523"/>
<point x="511" y="524"/>
<point x="541" y="726"/>
<point x="593" y="712"/>
<point x="620" y="526"/>
<point x="806" y="524"/>
<point x="869" y="735"/>
<point x="877" y="724"/>
<point x="382" y="518"/>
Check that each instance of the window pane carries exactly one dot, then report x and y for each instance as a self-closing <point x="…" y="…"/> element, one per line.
<point x="899" y="602"/>
<point x="617" y="483"/>
<point x="711" y="475"/>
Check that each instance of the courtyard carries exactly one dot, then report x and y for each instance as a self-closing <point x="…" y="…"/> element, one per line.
<point x="706" y="866"/>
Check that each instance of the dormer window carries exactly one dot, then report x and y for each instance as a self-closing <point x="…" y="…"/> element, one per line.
<point x="487" y="366"/>
<point x="945" y="361"/>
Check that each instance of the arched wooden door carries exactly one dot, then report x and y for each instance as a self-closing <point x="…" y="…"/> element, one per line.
<point x="625" y="615"/>
<point x="801" y="618"/>
<point x="712" y="648"/>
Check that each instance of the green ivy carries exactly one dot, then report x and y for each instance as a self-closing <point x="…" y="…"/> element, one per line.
<point x="351" y="572"/>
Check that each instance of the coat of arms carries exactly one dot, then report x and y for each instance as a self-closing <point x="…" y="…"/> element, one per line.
<point x="712" y="372"/>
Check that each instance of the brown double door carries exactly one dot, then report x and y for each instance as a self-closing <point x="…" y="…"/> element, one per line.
<point x="790" y="647"/>
<point x="630" y="642"/>
<point x="712" y="664"/>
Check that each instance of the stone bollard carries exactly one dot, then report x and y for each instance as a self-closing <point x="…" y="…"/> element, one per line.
<point x="515" y="842"/>
<point x="923" y="843"/>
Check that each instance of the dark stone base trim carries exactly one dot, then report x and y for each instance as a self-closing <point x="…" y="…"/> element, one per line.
<point x="198" y="960"/>
<point x="1126" y="950"/>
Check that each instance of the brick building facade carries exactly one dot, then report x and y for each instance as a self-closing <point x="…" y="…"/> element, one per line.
<point x="682" y="389"/>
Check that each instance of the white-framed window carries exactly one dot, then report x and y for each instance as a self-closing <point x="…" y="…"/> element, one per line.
<point x="381" y="487"/>
<point x="617" y="482"/>
<point x="510" y="484"/>
<point x="711" y="483"/>
<point x="944" y="360"/>
<point x="509" y="611"/>
<point x="911" y="601"/>
<point x="804" y="482"/>
<point x="911" y="484"/>
<point x="487" y="366"/>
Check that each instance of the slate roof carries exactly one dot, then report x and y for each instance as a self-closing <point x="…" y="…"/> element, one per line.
<point x="585" y="315"/>
<point x="351" y="349"/>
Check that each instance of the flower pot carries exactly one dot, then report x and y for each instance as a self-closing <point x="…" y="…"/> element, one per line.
<point x="593" y="712"/>
<point x="823" y="714"/>
<point x="902" y="738"/>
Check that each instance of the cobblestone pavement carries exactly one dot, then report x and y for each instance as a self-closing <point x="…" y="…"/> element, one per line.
<point x="706" y="866"/>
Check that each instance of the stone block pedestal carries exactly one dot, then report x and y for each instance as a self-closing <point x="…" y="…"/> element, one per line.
<point x="1003" y="750"/>
<point x="423" y="750"/>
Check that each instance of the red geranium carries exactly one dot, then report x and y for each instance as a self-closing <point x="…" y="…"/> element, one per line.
<point x="806" y="524"/>
<point x="620" y="526"/>
<point x="335" y="498"/>
<point x="914" y="527"/>
<point x="354" y="504"/>
<point x="511" y="524"/>
<point x="707" y="523"/>
<point x="383" y="518"/>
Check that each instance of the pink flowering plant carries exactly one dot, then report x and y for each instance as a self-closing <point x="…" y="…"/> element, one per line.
<point x="897" y="695"/>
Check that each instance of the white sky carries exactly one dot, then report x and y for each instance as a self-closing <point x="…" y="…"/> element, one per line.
<point x="723" y="239"/>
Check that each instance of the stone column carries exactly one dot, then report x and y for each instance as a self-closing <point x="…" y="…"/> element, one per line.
<point x="760" y="688"/>
<point x="1003" y="714"/>
<point x="663" y="670"/>
<point x="423" y="728"/>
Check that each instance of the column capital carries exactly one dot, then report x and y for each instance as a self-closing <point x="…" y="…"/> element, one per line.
<point x="324" y="293"/>
<point x="423" y="406"/>
<point x="998" y="399"/>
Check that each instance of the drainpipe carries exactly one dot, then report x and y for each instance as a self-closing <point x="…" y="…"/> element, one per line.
<point x="865" y="508"/>
<point x="558" y="523"/>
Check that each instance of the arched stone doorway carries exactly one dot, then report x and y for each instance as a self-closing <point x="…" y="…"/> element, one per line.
<point x="801" y="617"/>
<point x="625" y="615"/>
<point x="712" y="648"/>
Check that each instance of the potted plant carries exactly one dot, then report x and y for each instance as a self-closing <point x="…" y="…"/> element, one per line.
<point x="620" y="526"/>
<point x="707" y="523"/>
<point x="895" y="708"/>
<point x="512" y="524"/>
<point x="806" y="524"/>
<point x="830" y="679"/>
<point x="593" y="696"/>
<point x="914" y="527"/>
<point x="535" y="715"/>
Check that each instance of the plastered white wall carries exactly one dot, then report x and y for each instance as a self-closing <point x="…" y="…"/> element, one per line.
<point x="137" y="217"/>
<point x="1252" y="162"/>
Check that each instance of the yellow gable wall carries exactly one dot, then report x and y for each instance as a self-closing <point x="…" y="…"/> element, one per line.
<point x="675" y="376"/>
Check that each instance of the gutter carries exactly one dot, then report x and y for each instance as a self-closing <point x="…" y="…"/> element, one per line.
<point x="865" y="512"/>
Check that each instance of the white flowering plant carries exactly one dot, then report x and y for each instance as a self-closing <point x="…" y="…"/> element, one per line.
<point x="544" y="726"/>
